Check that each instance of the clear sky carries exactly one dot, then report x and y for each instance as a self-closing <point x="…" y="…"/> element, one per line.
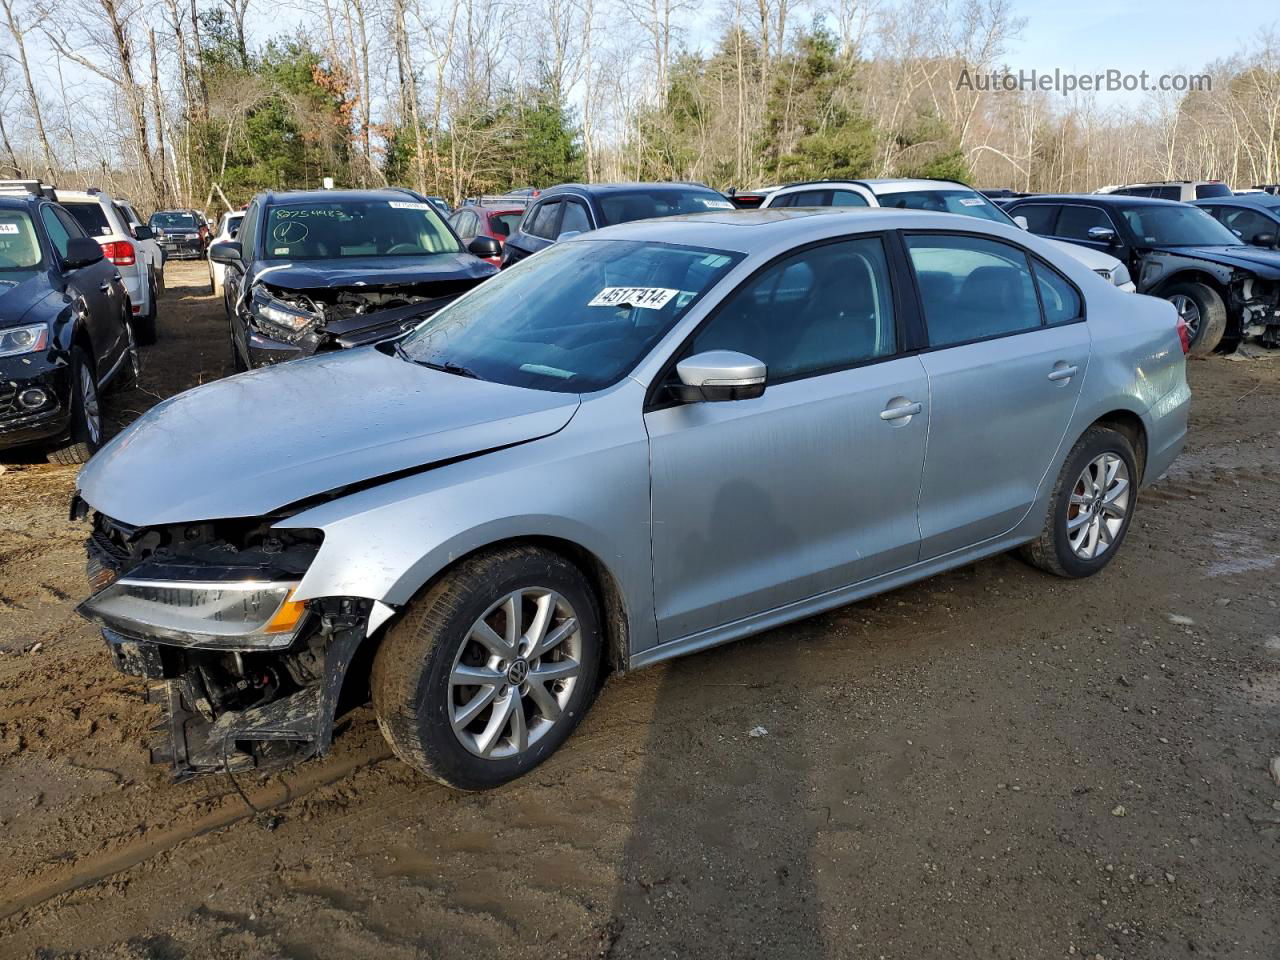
<point x="1164" y="36"/>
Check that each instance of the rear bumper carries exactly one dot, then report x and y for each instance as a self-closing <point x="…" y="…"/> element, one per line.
<point x="1167" y="431"/>
<point x="182" y="246"/>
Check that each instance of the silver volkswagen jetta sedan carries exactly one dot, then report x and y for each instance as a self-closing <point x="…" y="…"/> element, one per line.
<point x="644" y="442"/>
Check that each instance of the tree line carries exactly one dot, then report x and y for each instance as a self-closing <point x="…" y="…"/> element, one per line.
<point x="205" y="102"/>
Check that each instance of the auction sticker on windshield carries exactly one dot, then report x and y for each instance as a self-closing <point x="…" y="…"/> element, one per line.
<point x="406" y="205"/>
<point x="650" y="298"/>
<point x="716" y="204"/>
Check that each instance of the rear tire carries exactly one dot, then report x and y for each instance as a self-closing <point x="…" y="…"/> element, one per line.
<point x="1210" y="314"/>
<point x="459" y="629"/>
<point x="144" y="324"/>
<point x="85" y="434"/>
<point x="1081" y="535"/>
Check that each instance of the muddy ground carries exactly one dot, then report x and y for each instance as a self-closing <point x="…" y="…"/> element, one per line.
<point x="993" y="763"/>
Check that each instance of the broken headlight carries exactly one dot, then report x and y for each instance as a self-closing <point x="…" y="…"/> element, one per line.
<point x="281" y="319"/>
<point x="213" y="614"/>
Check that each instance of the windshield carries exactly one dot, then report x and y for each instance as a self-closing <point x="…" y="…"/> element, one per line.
<point x="504" y="224"/>
<point x="575" y="318"/>
<point x="1177" y="225"/>
<point x="623" y="206"/>
<point x="967" y="203"/>
<point x="324" y="229"/>
<point x="171" y="221"/>
<point x="19" y="248"/>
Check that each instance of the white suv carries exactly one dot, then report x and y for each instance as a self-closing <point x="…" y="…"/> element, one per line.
<point x="127" y="243"/>
<point x="940" y="196"/>
<point x="228" y="228"/>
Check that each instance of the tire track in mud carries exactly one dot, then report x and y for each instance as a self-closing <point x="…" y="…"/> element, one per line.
<point x="95" y="868"/>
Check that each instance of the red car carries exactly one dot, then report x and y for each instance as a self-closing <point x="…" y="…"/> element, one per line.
<point x="475" y="220"/>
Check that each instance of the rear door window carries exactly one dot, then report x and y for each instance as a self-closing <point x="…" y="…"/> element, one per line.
<point x="1040" y="217"/>
<point x="1058" y="297"/>
<point x="847" y="198"/>
<point x="973" y="288"/>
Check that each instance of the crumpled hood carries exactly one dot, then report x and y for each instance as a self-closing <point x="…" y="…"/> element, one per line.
<point x="251" y="444"/>
<point x="1258" y="259"/>
<point x="374" y="271"/>
<point x="16" y="299"/>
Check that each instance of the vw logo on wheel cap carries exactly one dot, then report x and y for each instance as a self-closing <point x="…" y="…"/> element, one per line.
<point x="518" y="672"/>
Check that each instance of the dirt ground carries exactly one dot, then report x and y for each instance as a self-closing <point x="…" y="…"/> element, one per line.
<point x="993" y="763"/>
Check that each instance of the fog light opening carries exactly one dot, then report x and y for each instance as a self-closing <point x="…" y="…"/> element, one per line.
<point x="33" y="398"/>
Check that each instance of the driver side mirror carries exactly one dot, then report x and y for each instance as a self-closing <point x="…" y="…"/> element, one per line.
<point x="718" y="375"/>
<point x="226" y="252"/>
<point x="1022" y="222"/>
<point x="142" y="233"/>
<point x="1102" y="235"/>
<point x="81" y="252"/>
<point x="1264" y="240"/>
<point x="485" y="248"/>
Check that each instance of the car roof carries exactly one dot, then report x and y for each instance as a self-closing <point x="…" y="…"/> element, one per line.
<point x="1104" y="199"/>
<point x="80" y="196"/>
<point x="308" y="196"/>
<point x="1262" y="201"/>
<point x="17" y="201"/>
<point x="607" y="188"/>
<point x="753" y="231"/>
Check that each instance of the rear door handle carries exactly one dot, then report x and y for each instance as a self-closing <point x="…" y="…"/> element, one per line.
<point x="1061" y="371"/>
<point x="900" y="410"/>
<point x="105" y="286"/>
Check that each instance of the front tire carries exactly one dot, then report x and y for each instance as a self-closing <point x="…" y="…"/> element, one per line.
<point x="1091" y="508"/>
<point x="85" y="434"/>
<point x="490" y="670"/>
<point x="1204" y="313"/>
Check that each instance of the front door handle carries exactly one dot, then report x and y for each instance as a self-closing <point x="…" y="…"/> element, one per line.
<point x="900" y="408"/>
<point x="1062" y="372"/>
<point x="105" y="286"/>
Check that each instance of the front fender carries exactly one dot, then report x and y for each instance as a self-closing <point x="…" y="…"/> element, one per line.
<point x="588" y="485"/>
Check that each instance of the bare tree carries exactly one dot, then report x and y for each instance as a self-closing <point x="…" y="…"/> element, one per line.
<point x="20" y="21"/>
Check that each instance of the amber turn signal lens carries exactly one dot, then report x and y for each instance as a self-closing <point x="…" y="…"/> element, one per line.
<point x="287" y="617"/>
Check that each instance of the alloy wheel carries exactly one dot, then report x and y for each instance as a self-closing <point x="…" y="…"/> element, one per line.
<point x="1099" y="506"/>
<point x="89" y="403"/>
<point x="1188" y="311"/>
<point x="514" y="673"/>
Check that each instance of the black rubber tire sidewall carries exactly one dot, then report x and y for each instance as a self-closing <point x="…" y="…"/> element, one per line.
<point x="1096" y="441"/>
<point x="1213" y="316"/>
<point x="79" y="446"/>
<point x="410" y="681"/>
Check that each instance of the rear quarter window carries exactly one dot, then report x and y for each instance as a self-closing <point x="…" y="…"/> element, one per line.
<point x="91" y="217"/>
<point x="1212" y="190"/>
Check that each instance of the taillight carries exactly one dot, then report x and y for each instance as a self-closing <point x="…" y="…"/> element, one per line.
<point x="119" y="252"/>
<point x="1184" y="335"/>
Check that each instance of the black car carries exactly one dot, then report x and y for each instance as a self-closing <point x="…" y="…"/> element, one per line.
<point x="321" y="270"/>
<point x="1223" y="288"/>
<point x="574" y="208"/>
<point x="181" y="233"/>
<point x="64" y="330"/>
<point x="1253" y="217"/>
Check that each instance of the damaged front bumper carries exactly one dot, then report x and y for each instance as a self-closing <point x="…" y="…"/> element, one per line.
<point x="183" y="608"/>
<point x="280" y="329"/>
<point x="240" y="713"/>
